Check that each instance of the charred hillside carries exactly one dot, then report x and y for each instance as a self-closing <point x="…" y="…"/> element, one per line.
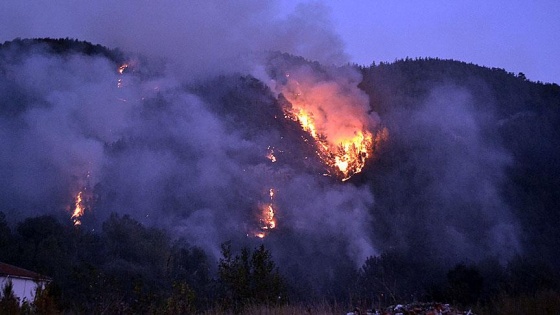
<point x="420" y="179"/>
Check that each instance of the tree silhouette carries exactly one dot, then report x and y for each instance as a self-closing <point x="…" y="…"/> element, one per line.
<point x="249" y="278"/>
<point x="9" y="303"/>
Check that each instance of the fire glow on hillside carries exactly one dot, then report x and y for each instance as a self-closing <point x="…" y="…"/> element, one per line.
<point x="333" y="112"/>
<point x="81" y="199"/>
<point x="120" y="70"/>
<point x="343" y="141"/>
<point x="267" y="220"/>
<point x="79" y="208"/>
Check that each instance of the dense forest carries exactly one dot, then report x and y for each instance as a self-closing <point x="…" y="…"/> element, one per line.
<point x="459" y="203"/>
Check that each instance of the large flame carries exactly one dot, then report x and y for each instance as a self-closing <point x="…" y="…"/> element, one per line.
<point x="338" y="121"/>
<point x="267" y="221"/>
<point x="79" y="208"/>
<point x="82" y="198"/>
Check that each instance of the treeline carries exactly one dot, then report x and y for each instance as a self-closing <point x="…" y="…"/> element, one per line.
<point x="127" y="267"/>
<point x="61" y="46"/>
<point x="514" y="114"/>
<point x="122" y="266"/>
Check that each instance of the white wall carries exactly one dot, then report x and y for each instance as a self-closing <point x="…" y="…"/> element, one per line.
<point x="23" y="288"/>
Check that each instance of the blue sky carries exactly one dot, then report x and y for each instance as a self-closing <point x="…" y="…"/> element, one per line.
<point x="519" y="36"/>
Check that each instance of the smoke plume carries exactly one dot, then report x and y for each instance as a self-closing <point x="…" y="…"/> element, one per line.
<point x="187" y="157"/>
<point x="439" y="190"/>
<point x="202" y="38"/>
<point x="184" y="137"/>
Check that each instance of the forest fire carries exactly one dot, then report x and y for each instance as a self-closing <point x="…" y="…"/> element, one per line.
<point x="79" y="208"/>
<point x="345" y="155"/>
<point x="127" y="66"/>
<point x="270" y="155"/>
<point x="83" y="196"/>
<point x="342" y="139"/>
<point x="122" y="68"/>
<point x="267" y="220"/>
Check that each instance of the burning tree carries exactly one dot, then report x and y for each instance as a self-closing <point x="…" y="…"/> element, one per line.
<point x="331" y="109"/>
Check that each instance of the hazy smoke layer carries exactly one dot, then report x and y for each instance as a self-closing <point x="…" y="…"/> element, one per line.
<point x="188" y="158"/>
<point x="202" y="37"/>
<point x="439" y="186"/>
<point x="187" y="150"/>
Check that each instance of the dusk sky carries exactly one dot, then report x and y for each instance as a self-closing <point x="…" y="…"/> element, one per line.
<point x="519" y="36"/>
<point x="157" y="145"/>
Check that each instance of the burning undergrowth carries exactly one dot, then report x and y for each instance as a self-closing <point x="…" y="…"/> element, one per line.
<point x="222" y="159"/>
<point x="329" y="107"/>
<point x="265" y="155"/>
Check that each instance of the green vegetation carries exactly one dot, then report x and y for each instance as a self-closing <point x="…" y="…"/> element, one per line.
<point x="130" y="268"/>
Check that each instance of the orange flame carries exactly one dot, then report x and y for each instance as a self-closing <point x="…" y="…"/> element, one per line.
<point x="267" y="220"/>
<point x="122" y="68"/>
<point x="336" y="119"/>
<point x="78" y="209"/>
<point x="346" y="154"/>
<point x="270" y="155"/>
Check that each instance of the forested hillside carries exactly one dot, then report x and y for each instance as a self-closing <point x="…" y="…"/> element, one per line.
<point x="514" y="115"/>
<point x="136" y="189"/>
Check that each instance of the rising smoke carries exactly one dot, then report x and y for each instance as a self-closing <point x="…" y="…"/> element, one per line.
<point x="185" y="149"/>
<point x="438" y="188"/>
<point x="189" y="158"/>
<point x="201" y="39"/>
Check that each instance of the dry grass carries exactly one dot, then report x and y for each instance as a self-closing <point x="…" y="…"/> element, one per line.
<point x="545" y="302"/>
<point x="321" y="308"/>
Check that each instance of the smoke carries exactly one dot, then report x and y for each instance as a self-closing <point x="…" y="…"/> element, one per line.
<point x="190" y="158"/>
<point x="185" y="149"/>
<point x="179" y="149"/>
<point x="331" y="93"/>
<point x="201" y="38"/>
<point x="442" y="200"/>
<point x="57" y="115"/>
